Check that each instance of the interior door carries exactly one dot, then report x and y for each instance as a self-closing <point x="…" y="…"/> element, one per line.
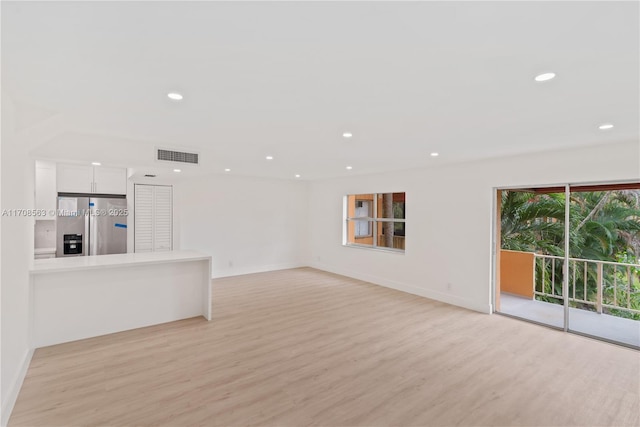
<point x="163" y="218"/>
<point x="143" y="218"/>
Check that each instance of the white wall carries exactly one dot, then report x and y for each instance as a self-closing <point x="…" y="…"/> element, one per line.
<point x="449" y="218"/>
<point x="17" y="252"/>
<point x="247" y="224"/>
<point x="3" y="417"/>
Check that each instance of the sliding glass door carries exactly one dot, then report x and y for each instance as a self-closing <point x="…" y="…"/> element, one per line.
<point x="604" y="267"/>
<point x="568" y="257"/>
<point x="531" y="252"/>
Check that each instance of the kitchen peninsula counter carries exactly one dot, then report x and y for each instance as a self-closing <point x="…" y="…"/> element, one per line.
<point x="86" y="296"/>
<point x="78" y="263"/>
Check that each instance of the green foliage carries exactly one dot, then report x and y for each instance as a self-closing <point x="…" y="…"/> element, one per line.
<point x="533" y="222"/>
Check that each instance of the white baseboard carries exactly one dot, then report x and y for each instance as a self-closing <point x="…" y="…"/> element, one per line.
<point x="9" y="400"/>
<point x="408" y="288"/>
<point x="217" y="274"/>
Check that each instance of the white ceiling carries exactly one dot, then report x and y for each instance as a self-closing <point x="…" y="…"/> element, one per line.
<point x="287" y="79"/>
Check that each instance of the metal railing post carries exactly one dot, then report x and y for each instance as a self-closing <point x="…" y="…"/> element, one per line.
<point x="544" y="289"/>
<point x="599" y="288"/>
<point x="533" y="294"/>
<point x="629" y="281"/>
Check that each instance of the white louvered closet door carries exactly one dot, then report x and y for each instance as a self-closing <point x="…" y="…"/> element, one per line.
<point x="163" y="220"/>
<point x="143" y="218"/>
<point x="153" y="218"/>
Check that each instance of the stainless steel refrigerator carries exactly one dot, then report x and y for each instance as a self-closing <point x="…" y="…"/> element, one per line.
<point x="88" y="225"/>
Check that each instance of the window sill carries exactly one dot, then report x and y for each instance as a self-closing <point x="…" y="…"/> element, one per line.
<point x="374" y="248"/>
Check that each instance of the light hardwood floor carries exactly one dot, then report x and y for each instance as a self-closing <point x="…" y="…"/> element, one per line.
<point x="303" y="347"/>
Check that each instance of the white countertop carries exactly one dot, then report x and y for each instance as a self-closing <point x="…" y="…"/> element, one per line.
<point x="38" y="251"/>
<point x="54" y="265"/>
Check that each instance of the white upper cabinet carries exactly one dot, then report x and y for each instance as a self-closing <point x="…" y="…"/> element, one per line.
<point x="109" y="180"/>
<point x="46" y="188"/>
<point x="74" y="178"/>
<point x="91" y="179"/>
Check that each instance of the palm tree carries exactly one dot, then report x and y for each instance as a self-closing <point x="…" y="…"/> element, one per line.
<point x="533" y="222"/>
<point x="603" y="224"/>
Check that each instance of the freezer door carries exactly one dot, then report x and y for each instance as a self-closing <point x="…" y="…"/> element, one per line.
<point x="108" y="226"/>
<point x="72" y="221"/>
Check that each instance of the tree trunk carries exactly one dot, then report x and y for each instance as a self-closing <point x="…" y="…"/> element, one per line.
<point x="387" y="212"/>
<point x="603" y="201"/>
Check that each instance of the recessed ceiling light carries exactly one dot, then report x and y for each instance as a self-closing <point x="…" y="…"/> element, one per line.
<point x="227" y="170"/>
<point x="175" y="96"/>
<point x="434" y="154"/>
<point x="297" y="176"/>
<point x="605" y="126"/>
<point x="347" y="134"/>
<point x="269" y="157"/>
<point x="349" y="168"/>
<point x="544" y="77"/>
<point x="177" y="170"/>
<point x="96" y="163"/>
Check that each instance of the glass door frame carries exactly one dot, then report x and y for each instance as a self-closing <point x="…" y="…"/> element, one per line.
<point x="495" y="258"/>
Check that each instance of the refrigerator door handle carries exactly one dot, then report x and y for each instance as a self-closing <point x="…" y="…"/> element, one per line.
<point x="93" y="230"/>
<point x="87" y="240"/>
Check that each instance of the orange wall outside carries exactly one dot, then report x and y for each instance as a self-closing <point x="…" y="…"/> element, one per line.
<point x="516" y="272"/>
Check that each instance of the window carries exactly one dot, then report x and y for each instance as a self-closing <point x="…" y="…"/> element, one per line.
<point x="375" y="220"/>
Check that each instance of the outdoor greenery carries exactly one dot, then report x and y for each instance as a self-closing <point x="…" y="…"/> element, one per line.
<point x="605" y="226"/>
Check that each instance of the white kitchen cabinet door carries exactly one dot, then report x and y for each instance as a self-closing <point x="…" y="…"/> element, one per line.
<point x="46" y="191"/>
<point x="74" y="178"/>
<point x="153" y="218"/>
<point x="109" y="180"/>
<point x="89" y="179"/>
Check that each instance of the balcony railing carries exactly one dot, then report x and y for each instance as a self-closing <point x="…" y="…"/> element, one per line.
<point x="599" y="284"/>
<point x="398" y="241"/>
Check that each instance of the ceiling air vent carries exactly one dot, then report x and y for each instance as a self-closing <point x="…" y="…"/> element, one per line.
<point x="178" y="156"/>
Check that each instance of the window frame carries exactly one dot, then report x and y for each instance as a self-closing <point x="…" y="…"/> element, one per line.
<point x="373" y="220"/>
